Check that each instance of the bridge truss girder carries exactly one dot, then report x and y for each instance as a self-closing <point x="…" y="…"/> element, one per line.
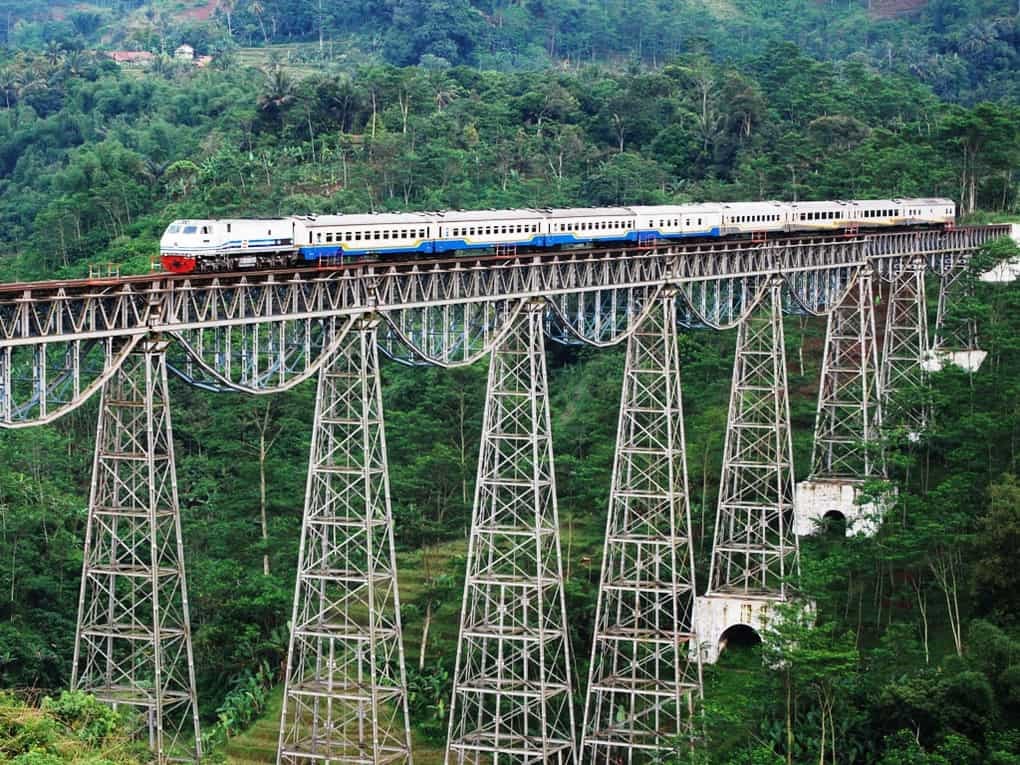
<point x="265" y="332"/>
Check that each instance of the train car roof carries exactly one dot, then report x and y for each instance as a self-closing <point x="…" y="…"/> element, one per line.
<point x="367" y="219"/>
<point x="748" y="205"/>
<point x="826" y="205"/>
<point x="588" y="212"/>
<point x="927" y="201"/>
<point x="456" y="216"/>
<point x="674" y="209"/>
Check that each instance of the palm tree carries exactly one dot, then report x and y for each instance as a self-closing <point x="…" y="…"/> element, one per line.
<point x="258" y="9"/>
<point x="278" y="93"/>
<point x="227" y="7"/>
<point x="54" y="53"/>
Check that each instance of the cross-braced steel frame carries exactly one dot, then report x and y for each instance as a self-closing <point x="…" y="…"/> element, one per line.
<point x="755" y="550"/>
<point x="848" y="423"/>
<point x="953" y="332"/>
<point x="345" y="700"/>
<point x="133" y="639"/>
<point x="905" y="348"/>
<point x="264" y="332"/>
<point x="644" y="679"/>
<point x="512" y="687"/>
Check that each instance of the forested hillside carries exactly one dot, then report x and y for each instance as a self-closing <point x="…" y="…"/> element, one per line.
<point x="966" y="50"/>
<point x="94" y="160"/>
<point x="916" y="656"/>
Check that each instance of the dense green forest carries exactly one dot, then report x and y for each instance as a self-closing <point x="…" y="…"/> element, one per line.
<point x="94" y="161"/>
<point x="916" y="655"/>
<point x="965" y="50"/>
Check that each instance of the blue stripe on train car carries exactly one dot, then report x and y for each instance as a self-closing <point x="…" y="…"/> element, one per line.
<point x="454" y="245"/>
<point x="631" y="236"/>
<point x="651" y="233"/>
<point x="319" y="251"/>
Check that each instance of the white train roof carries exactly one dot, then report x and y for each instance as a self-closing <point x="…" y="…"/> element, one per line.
<point x="368" y="219"/>
<point x="675" y="209"/>
<point x="588" y="212"/>
<point x="750" y="205"/>
<point x="456" y="216"/>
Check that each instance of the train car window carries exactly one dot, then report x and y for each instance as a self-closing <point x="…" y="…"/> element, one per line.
<point x="329" y="237"/>
<point x="422" y="233"/>
<point x="228" y="228"/>
<point x="309" y="237"/>
<point x="318" y="236"/>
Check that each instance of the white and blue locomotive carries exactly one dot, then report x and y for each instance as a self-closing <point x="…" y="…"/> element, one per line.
<point x="216" y="245"/>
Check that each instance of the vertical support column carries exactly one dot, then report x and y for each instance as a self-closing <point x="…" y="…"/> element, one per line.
<point x="345" y="699"/>
<point x="847" y="446"/>
<point x="956" y="340"/>
<point x="6" y="392"/>
<point x="512" y="695"/>
<point x="755" y="551"/>
<point x="133" y="639"/>
<point x="645" y="670"/>
<point x="905" y="349"/>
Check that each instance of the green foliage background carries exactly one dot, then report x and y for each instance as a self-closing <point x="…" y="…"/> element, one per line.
<point x="765" y="100"/>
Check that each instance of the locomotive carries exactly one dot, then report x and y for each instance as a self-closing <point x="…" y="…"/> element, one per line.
<point x="218" y="245"/>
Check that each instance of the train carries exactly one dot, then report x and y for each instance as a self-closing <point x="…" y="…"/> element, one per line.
<point x="189" y="246"/>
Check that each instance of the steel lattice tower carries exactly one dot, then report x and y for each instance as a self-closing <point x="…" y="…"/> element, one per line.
<point x="954" y="333"/>
<point x="133" y="639"/>
<point x="511" y="699"/>
<point x="905" y="346"/>
<point x="644" y="677"/>
<point x="755" y="549"/>
<point x="346" y="692"/>
<point x="849" y="417"/>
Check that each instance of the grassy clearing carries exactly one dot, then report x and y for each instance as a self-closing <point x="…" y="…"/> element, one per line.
<point x="303" y="60"/>
<point x="257" y="745"/>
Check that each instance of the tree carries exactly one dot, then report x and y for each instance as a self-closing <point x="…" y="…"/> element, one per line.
<point x="986" y="140"/>
<point x="278" y="94"/>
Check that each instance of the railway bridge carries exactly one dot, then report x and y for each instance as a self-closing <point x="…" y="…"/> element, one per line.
<point x="264" y="332"/>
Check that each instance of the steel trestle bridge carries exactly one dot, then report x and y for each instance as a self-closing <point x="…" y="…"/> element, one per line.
<point x="260" y="333"/>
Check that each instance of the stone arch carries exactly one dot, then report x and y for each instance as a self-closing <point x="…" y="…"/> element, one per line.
<point x="835" y="524"/>
<point x="739" y="636"/>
